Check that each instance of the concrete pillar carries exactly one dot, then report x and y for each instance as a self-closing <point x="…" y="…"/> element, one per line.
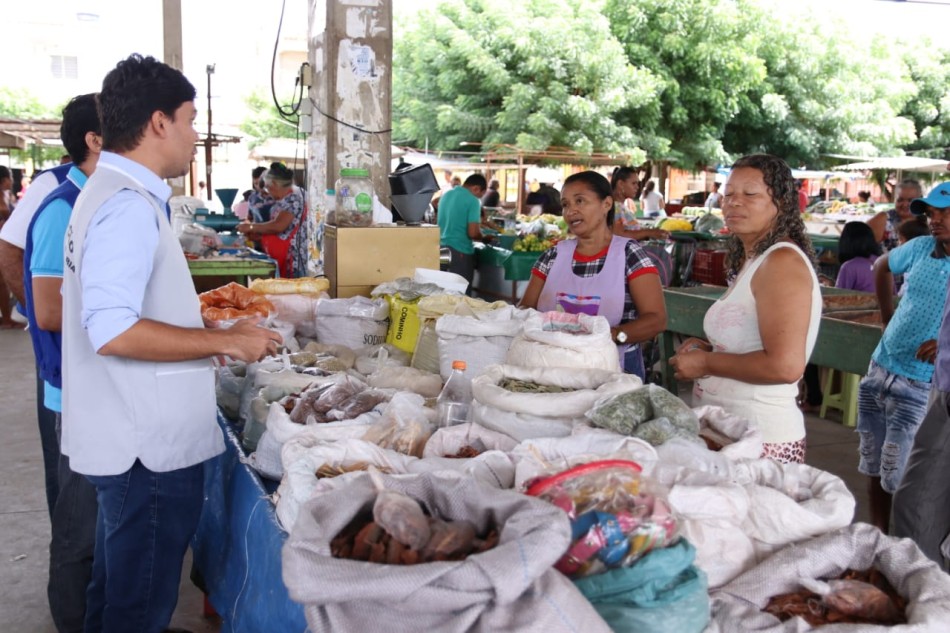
<point x="171" y="36"/>
<point x="350" y="54"/>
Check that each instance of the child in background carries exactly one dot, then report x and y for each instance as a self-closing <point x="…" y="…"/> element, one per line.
<point x="909" y="229"/>
<point x="857" y="251"/>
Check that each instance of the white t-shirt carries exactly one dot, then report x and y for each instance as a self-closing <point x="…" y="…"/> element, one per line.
<point x="651" y="202"/>
<point x="714" y="201"/>
<point x="14" y="231"/>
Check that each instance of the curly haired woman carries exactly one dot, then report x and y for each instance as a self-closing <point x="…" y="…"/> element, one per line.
<point x="763" y="329"/>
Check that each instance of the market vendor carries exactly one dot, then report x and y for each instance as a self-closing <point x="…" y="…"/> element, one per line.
<point x="763" y="329"/>
<point x="284" y="237"/>
<point x="626" y="185"/>
<point x="460" y="222"/>
<point x="599" y="272"/>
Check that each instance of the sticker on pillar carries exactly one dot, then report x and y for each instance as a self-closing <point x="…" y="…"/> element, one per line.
<point x="362" y="61"/>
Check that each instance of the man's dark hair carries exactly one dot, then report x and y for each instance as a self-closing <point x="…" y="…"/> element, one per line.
<point x="80" y="116"/>
<point x="257" y="172"/>
<point x="476" y="180"/>
<point x="132" y="92"/>
<point x="5" y="172"/>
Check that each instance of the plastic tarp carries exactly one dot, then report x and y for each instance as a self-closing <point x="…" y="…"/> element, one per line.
<point x="237" y="548"/>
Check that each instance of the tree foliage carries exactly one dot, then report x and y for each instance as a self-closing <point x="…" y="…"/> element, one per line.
<point x="537" y="74"/>
<point x="19" y="103"/>
<point x="263" y="121"/>
<point x="687" y="81"/>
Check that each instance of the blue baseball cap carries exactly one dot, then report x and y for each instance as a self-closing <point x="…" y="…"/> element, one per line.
<point x="939" y="198"/>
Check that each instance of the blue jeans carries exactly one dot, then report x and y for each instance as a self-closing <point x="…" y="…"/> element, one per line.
<point x="145" y="522"/>
<point x="890" y="410"/>
<point x="71" y="547"/>
<point x="633" y="363"/>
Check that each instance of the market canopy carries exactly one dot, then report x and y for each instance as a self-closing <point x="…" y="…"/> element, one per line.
<point x="898" y="163"/>
<point x="19" y="133"/>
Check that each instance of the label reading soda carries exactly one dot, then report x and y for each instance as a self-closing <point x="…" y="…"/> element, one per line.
<point x="364" y="203"/>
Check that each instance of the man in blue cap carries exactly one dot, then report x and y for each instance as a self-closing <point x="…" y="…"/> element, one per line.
<point x="921" y="510"/>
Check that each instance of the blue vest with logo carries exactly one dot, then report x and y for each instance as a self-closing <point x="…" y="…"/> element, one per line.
<point x="47" y="346"/>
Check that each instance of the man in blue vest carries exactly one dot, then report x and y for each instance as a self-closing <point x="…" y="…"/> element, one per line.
<point x="139" y="412"/>
<point x="74" y="513"/>
<point x="12" y="243"/>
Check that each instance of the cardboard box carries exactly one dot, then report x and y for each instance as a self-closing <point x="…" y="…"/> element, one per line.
<point x="357" y="259"/>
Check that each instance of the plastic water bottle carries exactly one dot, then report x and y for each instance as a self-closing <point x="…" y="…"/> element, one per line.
<point x="455" y="401"/>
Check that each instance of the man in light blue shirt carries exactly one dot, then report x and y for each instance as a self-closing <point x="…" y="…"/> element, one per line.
<point x="892" y="398"/>
<point x="138" y="384"/>
<point x="73" y="519"/>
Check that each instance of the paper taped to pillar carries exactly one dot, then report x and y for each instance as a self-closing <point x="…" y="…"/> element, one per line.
<point x="404" y="323"/>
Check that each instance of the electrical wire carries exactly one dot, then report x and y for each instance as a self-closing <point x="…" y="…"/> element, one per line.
<point x="345" y="124"/>
<point x="295" y="106"/>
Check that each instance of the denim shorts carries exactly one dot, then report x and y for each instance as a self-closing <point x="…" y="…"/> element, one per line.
<point x="890" y="409"/>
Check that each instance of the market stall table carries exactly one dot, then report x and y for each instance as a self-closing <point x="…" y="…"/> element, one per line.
<point x="240" y="265"/>
<point x="501" y="273"/>
<point x="237" y="547"/>
<point x="841" y="344"/>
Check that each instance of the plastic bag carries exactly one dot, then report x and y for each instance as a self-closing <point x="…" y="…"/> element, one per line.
<point x="233" y="301"/>
<point x="663" y="592"/>
<point x="407" y="379"/>
<point x="298" y="309"/>
<point x="450" y="440"/>
<point x="404" y="428"/>
<point x="314" y="405"/>
<point x="374" y="357"/>
<point x="615" y="516"/>
<point x="400" y="515"/>
<point x="651" y="413"/>
<point x="228" y="388"/>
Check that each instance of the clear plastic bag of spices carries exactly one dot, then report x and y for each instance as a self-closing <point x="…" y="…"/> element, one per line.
<point x="354" y="198"/>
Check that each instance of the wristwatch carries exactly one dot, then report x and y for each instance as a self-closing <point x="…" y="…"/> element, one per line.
<point x="621" y="337"/>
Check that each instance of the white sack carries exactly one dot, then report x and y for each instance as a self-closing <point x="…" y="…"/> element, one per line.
<point x="480" y="340"/>
<point x="746" y="437"/>
<point x="791" y="502"/>
<point x="354" y="322"/>
<point x="528" y="415"/>
<point x="451" y="439"/>
<point x="407" y="379"/>
<point x="511" y="587"/>
<point x="737" y="607"/>
<point x="534" y="347"/>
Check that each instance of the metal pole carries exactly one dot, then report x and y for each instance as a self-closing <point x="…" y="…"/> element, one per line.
<point x="208" y="189"/>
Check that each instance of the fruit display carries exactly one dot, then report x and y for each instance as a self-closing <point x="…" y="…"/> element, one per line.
<point x="675" y="224"/>
<point x="531" y="243"/>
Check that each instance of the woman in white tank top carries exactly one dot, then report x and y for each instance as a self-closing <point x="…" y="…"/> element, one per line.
<point x="762" y="331"/>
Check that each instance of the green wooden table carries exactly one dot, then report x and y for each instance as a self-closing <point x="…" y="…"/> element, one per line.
<point x="501" y="273"/>
<point x="842" y="345"/>
<point x="211" y="272"/>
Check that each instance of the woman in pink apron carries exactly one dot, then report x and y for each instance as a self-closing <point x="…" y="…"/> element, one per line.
<point x="284" y="237"/>
<point x="599" y="273"/>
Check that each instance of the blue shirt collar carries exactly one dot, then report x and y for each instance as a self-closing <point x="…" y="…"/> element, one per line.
<point x="77" y="177"/>
<point x="145" y="176"/>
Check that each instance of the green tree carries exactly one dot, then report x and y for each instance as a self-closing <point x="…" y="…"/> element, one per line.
<point x="22" y="104"/>
<point x="536" y="74"/>
<point x="929" y="109"/>
<point x="830" y="93"/>
<point x="699" y="50"/>
<point x="263" y="121"/>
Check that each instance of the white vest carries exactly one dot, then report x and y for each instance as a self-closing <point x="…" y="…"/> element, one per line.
<point x="117" y="410"/>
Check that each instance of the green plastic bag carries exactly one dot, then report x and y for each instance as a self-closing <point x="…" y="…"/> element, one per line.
<point x="663" y="592"/>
